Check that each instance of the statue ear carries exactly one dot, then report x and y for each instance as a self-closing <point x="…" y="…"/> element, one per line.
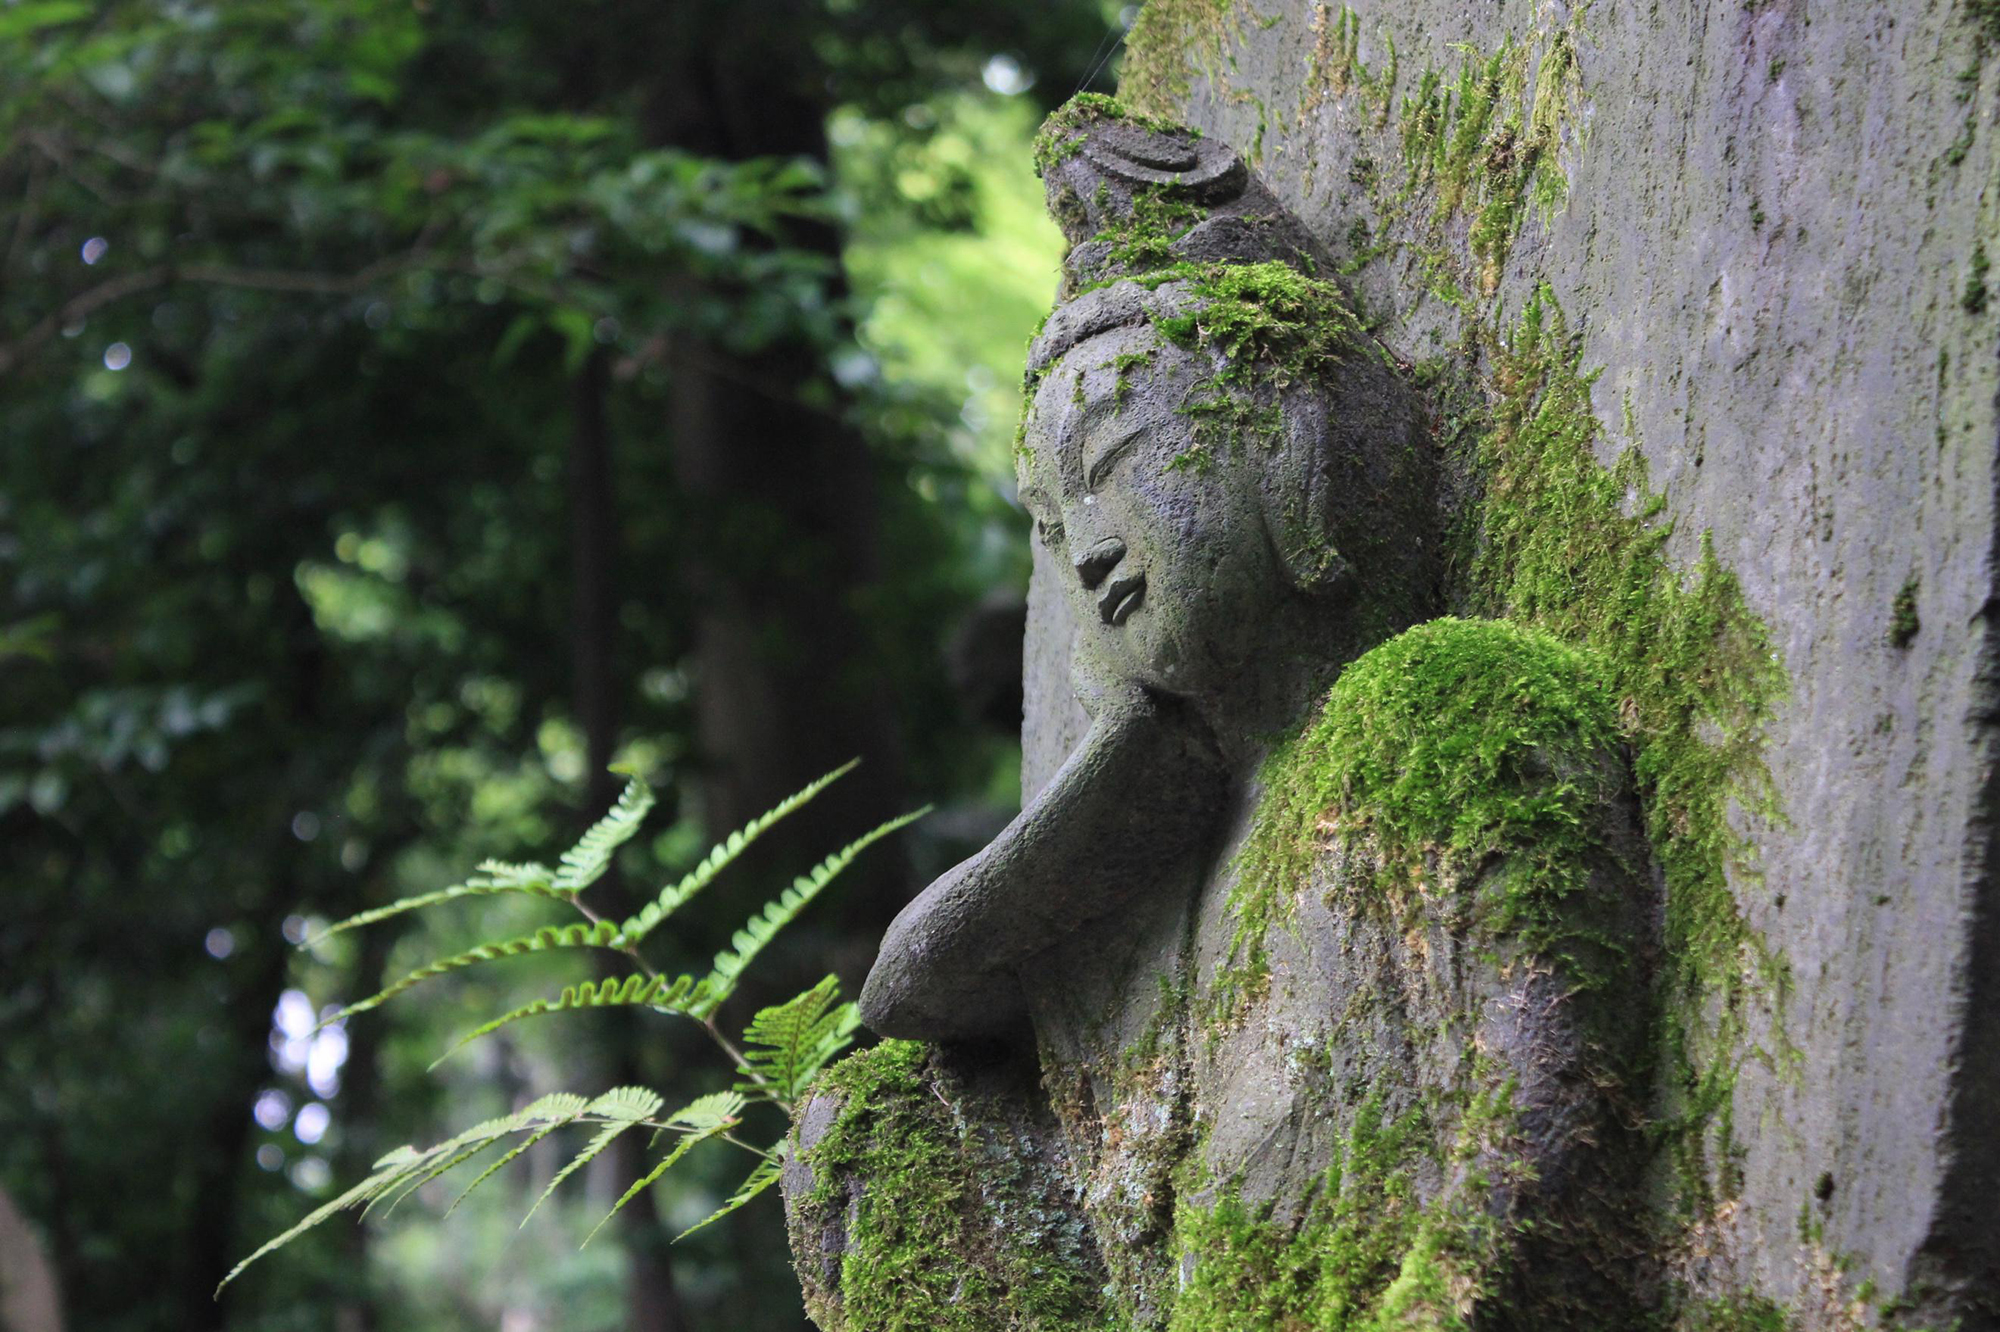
<point x="1300" y="495"/>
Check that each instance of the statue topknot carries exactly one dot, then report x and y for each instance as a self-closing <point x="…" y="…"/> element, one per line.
<point x="1135" y="194"/>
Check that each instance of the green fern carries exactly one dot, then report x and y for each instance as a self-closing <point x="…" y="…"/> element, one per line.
<point x="494" y="876"/>
<point x="703" y="1118"/>
<point x="763" y="927"/>
<point x="585" y="863"/>
<point x="679" y="995"/>
<point x="561" y="1109"/>
<point x="589" y="934"/>
<point x="624" y="1109"/>
<point x="675" y="896"/>
<point x="762" y="1177"/>
<point x="785" y="1045"/>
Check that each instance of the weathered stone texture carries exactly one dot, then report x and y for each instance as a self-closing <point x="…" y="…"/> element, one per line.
<point x="1772" y="245"/>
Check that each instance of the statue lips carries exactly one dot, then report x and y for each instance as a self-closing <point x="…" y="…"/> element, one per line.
<point x="1120" y="597"/>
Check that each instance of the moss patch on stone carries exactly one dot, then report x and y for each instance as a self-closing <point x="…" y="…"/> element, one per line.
<point x="1578" y="549"/>
<point x="1371" y="1252"/>
<point x="1170" y="43"/>
<point x="1062" y="134"/>
<point x="1487" y="141"/>
<point x="1276" y="327"/>
<point x="1456" y="742"/>
<point x="942" y="1237"/>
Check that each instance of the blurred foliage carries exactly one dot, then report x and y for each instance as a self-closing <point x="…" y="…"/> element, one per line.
<point x="295" y="304"/>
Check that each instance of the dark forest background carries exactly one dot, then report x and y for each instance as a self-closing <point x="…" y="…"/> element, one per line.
<point x="408" y="408"/>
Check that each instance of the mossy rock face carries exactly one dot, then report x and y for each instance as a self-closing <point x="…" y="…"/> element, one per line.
<point x="1423" y="1034"/>
<point x="929" y="1196"/>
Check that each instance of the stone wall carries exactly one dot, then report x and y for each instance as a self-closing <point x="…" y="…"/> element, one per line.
<point x="1764" y="220"/>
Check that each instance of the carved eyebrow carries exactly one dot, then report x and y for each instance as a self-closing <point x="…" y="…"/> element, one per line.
<point x="1033" y="495"/>
<point x="1100" y="466"/>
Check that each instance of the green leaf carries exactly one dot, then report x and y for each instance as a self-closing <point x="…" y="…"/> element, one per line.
<point x="676" y="896"/>
<point x="601" y="934"/>
<point x="585" y="863"/>
<point x="637" y="991"/>
<point x="624" y="1108"/>
<point x="705" y="1118"/>
<point x="408" y="1167"/>
<point x="24" y="20"/>
<point x="763" y="1177"/>
<point x="494" y="876"/>
<point x="760" y="929"/>
<point x="785" y="1045"/>
<point x="558" y="1108"/>
<point x="388" y="1170"/>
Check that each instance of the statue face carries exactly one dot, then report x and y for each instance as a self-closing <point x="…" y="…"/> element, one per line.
<point x="1169" y="567"/>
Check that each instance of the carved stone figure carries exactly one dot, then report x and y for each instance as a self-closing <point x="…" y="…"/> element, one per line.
<point x="1314" y="1051"/>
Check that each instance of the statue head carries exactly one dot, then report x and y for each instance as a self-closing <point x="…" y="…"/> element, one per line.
<point x="1232" y="477"/>
<point x="1230" y="468"/>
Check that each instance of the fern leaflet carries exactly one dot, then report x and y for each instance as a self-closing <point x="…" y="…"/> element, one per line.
<point x="387" y="1171"/>
<point x="409" y="1166"/>
<point x="558" y="1109"/>
<point x="675" y="896"/>
<point x="494" y="876"/>
<point x="761" y="1178"/>
<point x="621" y="1108"/>
<point x="705" y="1117"/>
<point x="678" y="995"/>
<point x="585" y="863"/>
<point x="784" y="1046"/>
<point x="601" y="934"/>
<point x="761" y="928"/>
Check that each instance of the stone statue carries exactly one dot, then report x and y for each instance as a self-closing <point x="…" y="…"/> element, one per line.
<point x="1259" y="1046"/>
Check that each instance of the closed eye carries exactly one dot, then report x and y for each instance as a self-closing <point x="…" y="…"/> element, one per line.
<point x="1051" y="533"/>
<point x="1108" y="457"/>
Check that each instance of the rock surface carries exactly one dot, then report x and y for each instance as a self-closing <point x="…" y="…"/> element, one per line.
<point x="1771" y="243"/>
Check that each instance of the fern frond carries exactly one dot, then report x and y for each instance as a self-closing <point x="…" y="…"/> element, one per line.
<point x="705" y="1117"/>
<point x="430" y="1162"/>
<point x="621" y="1109"/>
<point x="387" y="1171"/>
<point x="408" y="1167"/>
<point x="585" y="863"/>
<point x="761" y="1178"/>
<point x="761" y="928"/>
<point x="599" y="934"/>
<point x="678" y="995"/>
<point x="675" y="896"/>
<point x="784" y="1046"/>
<point x="555" y="1110"/>
<point x="494" y="876"/>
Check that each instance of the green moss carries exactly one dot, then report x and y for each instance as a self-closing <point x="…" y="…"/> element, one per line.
<point x="1973" y="299"/>
<point x="1169" y="45"/>
<point x="1276" y="327"/>
<point x="1903" y="621"/>
<point x="1062" y="134"/>
<point x="1579" y="550"/>
<point x="1735" y="1313"/>
<point x="943" y="1237"/>
<point x="1487" y="143"/>
<point x="1145" y="237"/>
<point x="1454" y="743"/>
<point x="1371" y="1252"/>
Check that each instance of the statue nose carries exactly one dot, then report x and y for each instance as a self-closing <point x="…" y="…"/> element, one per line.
<point x="1099" y="560"/>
